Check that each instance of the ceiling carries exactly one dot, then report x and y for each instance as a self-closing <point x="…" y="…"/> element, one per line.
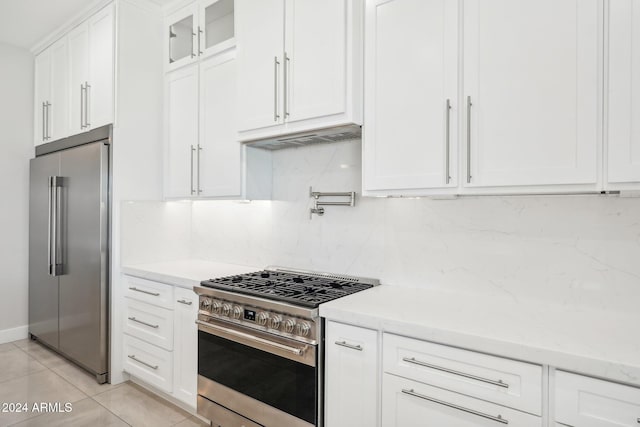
<point x="24" y="23"/>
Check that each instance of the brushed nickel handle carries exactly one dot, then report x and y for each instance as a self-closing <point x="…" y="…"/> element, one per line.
<point x="185" y="302"/>
<point x="87" y="101"/>
<point x="82" y="106"/>
<point x="199" y="36"/>
<point x="287" y="61"/>
<point x="57" y="225"/>
<point x="296" y="351"/>
<point x="191" y="170"/>
<point x="48" y="120"/>
<point x="414" y="361"/>
<point x="347" y="345"/>
<point x="447" y="172"/>
<point x="276" y="69"/>
<point x="497" y="418"/>
<point x="155" y="294"/>
<point x="133" y="357"/>
<point x="44" y="134"/>
<point x="49" y="225"/>
<point x="144" y="323"/>
<point x="469" y="104"/>
<point x="199" y="190"/>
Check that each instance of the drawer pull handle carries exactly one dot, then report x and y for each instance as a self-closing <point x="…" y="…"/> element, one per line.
<point x="144" y="323"/>
<point x="155" y="294"/>
<point x="413" y="360"/>
<point x="133" y="357"/>
<point x="498" y="418"/>
<point x="185" y="302"/>
<point x="351" y="346"/>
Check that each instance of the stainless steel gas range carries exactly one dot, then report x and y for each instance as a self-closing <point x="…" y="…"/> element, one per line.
<point x="260" y="346"/>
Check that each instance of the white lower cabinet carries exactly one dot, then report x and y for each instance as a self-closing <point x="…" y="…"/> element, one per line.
<point x="351" y="376"/>
<point x="407" y="403"/>
<point x="151" y="364"/>
<point x="161" y="337"/>
<point x="185" y="360"/>
<point x="588" y="402"/>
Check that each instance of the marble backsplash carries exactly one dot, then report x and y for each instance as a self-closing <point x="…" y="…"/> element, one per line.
<point x="575" y="250"/>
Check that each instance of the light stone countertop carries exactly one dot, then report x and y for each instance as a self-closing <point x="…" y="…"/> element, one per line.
<point x="603" y="344"/>
<point x="578" y="339"/>
<point x="185" y="273"/>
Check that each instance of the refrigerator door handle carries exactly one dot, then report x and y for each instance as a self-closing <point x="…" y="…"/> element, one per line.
<point x="56" y="184"/>
<point x="49" y="224"/>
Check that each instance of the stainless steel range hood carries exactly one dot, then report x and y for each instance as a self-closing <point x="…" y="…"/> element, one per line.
<point x="318" y="136"/>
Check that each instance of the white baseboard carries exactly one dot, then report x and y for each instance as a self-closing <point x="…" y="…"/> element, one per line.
<point x="14" y="334"/>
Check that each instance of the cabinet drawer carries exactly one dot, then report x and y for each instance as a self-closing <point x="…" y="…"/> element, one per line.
<point x="588" y="402"/>
<point x="407" y="403"/>
<point x="504" y="381"/>
<point x="150" y="323"/>
<point x="149" y="363"/>
<point x="147" y="291"/>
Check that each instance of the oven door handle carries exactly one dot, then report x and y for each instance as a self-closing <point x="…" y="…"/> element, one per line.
<point x="290" y="352"/>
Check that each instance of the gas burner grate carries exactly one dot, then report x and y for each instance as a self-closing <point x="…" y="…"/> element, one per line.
<point x="298" y="289"/>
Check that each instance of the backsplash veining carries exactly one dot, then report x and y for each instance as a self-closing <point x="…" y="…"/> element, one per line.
<point x="567" y="249"/>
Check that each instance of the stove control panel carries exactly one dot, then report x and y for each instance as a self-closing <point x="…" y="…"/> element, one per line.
<point x="258" y="318"/>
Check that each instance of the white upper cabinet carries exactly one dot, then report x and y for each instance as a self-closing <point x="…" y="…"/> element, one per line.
<point x="202" y="28"/>
<point x="42" y="96"/>
<point x="411" y="103"/>
<point x="260" y="39"/>
<point x="91" y="72"/>
<point x="624" y="94"/>
<point x="220" y="165"/>
<point x="531" y="92"/>
<point x="51" y="93"/>
<point x="182" y="132"/>
<point x="203" y="156"/>
<point x="299" y="65"/>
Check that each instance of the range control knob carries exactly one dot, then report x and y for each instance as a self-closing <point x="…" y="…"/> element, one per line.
<point x="289" y="326"/>
<point x="262" y="319"/>
<point x="215" y="307"/>
<point x="237" y="312"/>
<point x="274" y="322"/>
<point x="205" y="304"/>
<point x="226" y="309"/>
<point x="303" y="329"/>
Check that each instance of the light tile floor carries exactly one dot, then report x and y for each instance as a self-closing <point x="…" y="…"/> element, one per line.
<point x="30" y="373"/>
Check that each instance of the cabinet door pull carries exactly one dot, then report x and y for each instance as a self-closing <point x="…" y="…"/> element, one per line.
<point x="155" y="294"/>
<point x="287" y="61"/>
<point x="469" y="104"/>
<point x="447" y="172"/>
<point x="497" y="418"/>
<point x="48" y="127"/>
<point x="87" y="100"/>
<point x="199" y="42"/>
<point x="414" y="361"/>
<point x="44" y="120"/>
<point x="185" y="302"/>
<point x="199" y="190"/>
<point x="133" y="357"/>
<point x="347" y="345"/>
<point x="82" y="106"/>
<point x="191" y="170"/>
<point x="133" y="319"/>
<point x="276" y="69"/>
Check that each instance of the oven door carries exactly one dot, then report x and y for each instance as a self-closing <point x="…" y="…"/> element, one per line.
<point x="268" y="379"/>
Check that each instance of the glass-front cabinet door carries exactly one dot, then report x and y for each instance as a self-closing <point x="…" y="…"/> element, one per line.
<point x="217" y="26"/>
<point x="181" y="32"/>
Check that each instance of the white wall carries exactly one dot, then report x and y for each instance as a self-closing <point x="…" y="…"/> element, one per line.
<point x="582" y="250"/>
<point x="16" y="148"/>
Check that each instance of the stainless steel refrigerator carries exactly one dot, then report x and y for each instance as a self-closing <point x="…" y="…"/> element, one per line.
<point x="69" y="248"/>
